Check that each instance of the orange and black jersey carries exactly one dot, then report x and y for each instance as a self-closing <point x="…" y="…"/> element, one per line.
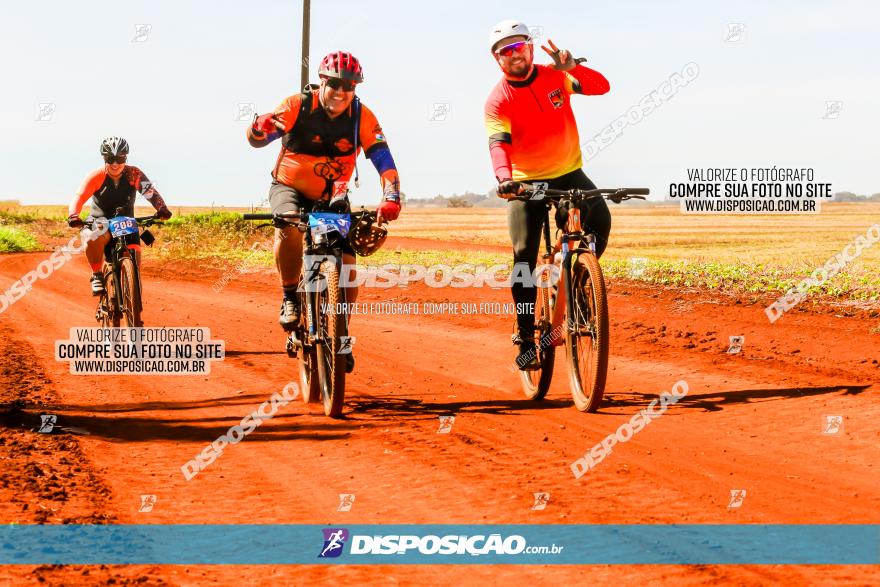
<point x="531" y="127"/>
<point x="318" y="153"/>
<point x="107" y="195"/>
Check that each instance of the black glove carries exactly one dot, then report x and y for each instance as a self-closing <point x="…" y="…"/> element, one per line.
<point x="163" y="213"/>
<point x="510" y="188"/>
<point x="74" y="221"/>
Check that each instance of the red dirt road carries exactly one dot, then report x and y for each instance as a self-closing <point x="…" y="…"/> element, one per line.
<point x="751" y="421"/>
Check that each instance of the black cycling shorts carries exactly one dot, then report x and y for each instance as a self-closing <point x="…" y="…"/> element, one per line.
<point x="130" y="239"/>
<point x="283" y="198"/>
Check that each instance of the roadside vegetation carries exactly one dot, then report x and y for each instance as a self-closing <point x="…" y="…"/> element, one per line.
<point x="16" y="240"/>
<point x="737" y="254"/>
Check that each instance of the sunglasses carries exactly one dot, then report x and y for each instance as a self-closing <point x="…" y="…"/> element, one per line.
<point x="340" y="84"/>
<point x="117" y="159"/>
<point x="508" y="50"/>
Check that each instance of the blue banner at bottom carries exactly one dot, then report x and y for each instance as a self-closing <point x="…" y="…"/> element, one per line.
<point x="441" y="544"/>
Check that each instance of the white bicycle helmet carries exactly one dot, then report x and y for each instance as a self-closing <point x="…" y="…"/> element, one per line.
<point x="507" y="28"/>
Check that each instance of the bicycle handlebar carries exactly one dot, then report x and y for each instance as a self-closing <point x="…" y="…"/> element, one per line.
<point x="258" y="216"/>
<point x="142" y="221"/>
<point x="616" y="195"/>
<point x="291" y="217"/>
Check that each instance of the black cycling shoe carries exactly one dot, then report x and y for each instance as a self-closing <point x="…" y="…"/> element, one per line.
<point x="97" y="282"/>
<point x="289" y="317"/>
<point x="527" y="359"/>
<point x="349" y="362"/>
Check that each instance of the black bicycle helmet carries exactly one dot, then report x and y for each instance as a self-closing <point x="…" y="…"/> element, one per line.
<point x="114" y="147"/>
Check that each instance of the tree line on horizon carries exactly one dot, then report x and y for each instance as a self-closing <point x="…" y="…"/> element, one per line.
<point x="490" y="200"/>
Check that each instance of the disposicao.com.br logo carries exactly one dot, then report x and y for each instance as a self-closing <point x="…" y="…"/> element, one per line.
<point x="431" y="544"/>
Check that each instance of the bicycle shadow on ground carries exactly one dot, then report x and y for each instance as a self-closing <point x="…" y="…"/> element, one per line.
<point x="391" y="407"/>
<point x="107" y="422"/>
<point x="715" y="401"/>
<point x="234" y="353"/>
<point x="254" y="399"/>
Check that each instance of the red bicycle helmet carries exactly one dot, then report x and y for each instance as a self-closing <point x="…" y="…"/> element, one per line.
<point x="341" y="65"/>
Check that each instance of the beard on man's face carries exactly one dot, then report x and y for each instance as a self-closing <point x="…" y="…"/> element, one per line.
<point x="520" y="69"/>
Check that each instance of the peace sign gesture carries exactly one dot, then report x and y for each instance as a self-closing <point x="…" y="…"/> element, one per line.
<point x="562" y="59"/>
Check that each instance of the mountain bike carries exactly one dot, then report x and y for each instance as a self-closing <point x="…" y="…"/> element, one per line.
<point x="581" y="320"/>
<point x="122" y="303"/>
<point x="321" y="338"/>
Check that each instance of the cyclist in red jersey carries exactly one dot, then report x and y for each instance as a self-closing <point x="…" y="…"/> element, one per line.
<point x="533" y="137"/>
<point x="113" y="186"/>
<point x="321" y="131"/>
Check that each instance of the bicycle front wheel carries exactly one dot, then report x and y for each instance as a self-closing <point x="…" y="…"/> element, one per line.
<point x="587" y="333"/>
<point x="308" y="358"/>
<point x="107" y="312"/>
<point x="331" y="364"/>
<point x="131" y="294"/>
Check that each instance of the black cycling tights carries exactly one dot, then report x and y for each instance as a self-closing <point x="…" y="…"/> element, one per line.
<point x="526" y="220"/>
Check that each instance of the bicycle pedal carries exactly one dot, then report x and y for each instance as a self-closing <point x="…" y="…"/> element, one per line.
<point x="292" y="346"/>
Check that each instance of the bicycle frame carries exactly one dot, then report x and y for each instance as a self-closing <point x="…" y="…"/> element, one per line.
<point x="312" y="309"/>
<point x="577" y="249"/>
<point x="319" y="339"/>
<point x="120" y="249"/>
<point x="573" y="232"/>
<point x="113" y="258"/>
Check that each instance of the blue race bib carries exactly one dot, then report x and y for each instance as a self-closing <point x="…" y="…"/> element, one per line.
<point x="325" y="222"/>
<point x="123" y="225"/>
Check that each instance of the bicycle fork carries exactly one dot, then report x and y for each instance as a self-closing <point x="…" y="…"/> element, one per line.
<point x="565" y="292"/>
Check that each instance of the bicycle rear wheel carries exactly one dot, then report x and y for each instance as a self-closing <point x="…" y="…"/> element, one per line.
<point x="331" y="365"/>
<point x="536" y="383"/>
<point x="587" y="333"/>
<point x="131" y="294"/>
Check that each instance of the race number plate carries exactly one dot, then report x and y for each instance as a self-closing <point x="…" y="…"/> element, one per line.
<point x="326" y="222"/>
<point x="123" y="225"/>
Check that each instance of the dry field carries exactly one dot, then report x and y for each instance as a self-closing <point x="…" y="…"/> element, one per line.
<point x="744" y="254"/>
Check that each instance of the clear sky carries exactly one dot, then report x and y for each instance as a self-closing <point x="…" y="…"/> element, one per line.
<point x="174" y="94"/>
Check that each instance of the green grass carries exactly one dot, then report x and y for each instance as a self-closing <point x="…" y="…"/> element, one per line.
<point x="222" y="238"/>
<point x="227" y="221"/>
<point x="18" y="217"/>
<point x="853" y="283"/>
<point x="16" y="240"/>
<point x="215" y="238"/>
<point x="745" y="254"/>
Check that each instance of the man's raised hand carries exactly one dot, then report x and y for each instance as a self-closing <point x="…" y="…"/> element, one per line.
<point x="562" y="59"/>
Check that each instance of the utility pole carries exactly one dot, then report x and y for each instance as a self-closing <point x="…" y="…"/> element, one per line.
<point x="304" y="70"/>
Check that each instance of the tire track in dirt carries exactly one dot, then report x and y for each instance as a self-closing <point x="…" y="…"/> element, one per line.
<point x="47" y="478"/>
<point x="410" y="371"/>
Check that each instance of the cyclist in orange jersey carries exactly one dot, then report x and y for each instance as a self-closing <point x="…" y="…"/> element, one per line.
<point x="533" y="137"/>
<point x="322" y="131"/>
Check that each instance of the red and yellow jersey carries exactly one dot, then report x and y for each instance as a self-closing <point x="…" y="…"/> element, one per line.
<point x="531" y="127"/>
<point x="318" y="154"/>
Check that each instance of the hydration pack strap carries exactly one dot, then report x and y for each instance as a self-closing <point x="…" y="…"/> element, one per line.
<point x="357" y="131"/>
